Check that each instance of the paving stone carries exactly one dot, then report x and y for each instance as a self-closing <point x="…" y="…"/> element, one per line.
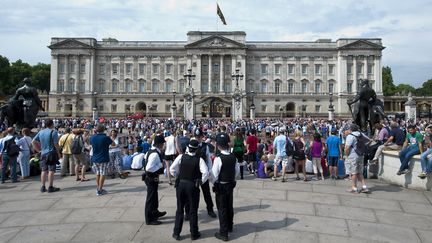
<point x="382" y="232"/>
<point x="276" y="236"/>
<point x="248" y="204"/>
<point x="48" y="233"/>
<point x="362" y="202"/>
<point x="425" y="236"/>
<point x="4" y="216"/>
<point x="7" y="233"/>
<point x="110" y="232"/>
<point x="253" y="184"/>
<point x="260" y="219"/>
<point x="94" y="215"/>
<point x="401" y="195"/>
<point x="19" y="195"/>
<point x="417" y="208"/>
<point x="27" y="218"/>
<point x="261" y="193"/>
<point x="122" y="201"/>
<point x="335" y="190"/>
<point x="313" y="197"/>
<point x="404" y="219"/>
<point x="27" y="205"/>
<point x="80" y="202"/>
<point x="317" y="224"/>
<point x="289" y="186"/>
<point x="324" y="238"/>
<point x="342" y="212"/>
<point x="289" y="207"/>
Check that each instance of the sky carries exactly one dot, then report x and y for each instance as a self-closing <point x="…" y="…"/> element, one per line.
<point x="26" y="26"/>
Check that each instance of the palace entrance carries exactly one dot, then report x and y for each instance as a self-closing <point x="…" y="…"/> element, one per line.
<point x="215" y="107"/>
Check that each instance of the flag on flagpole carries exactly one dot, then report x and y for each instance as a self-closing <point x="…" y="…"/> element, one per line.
<point x="221" y="16"/>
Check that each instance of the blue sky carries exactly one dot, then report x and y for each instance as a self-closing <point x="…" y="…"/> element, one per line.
<point x="26" y="26"/>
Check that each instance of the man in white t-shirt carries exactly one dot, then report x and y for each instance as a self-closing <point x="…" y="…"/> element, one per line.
<point x="170" y="152"/>
<point x="138" y="159"/>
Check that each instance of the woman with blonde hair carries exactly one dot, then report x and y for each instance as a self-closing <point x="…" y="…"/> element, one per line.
<point x="299" y="154"/>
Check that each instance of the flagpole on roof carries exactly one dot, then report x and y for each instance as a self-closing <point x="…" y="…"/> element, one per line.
<point x="217" y="21"/>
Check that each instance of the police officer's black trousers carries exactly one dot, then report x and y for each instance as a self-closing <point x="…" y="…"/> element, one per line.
<point x="152" y="201"/>
<point x="224" y="203"/>
<point x="205" y="187"/>
<point x="187" y="193"/>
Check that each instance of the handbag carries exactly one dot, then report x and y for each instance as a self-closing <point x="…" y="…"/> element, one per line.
<point x="52" y="157"/>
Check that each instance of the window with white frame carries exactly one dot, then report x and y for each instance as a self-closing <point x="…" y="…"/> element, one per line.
<point x="370" y="68"/>
<point x="277" y="68"/>
<point x="291" y="69"/>
<point x="360" y="68"/>
<point x="81" y="86"/>
<point x="263" y="87"/>
<point x="101" y="86"/>
<point x="128" y="86"/>
<point x="141" y="68"/>
<point x="304" y="68"/>
<point x="349" y="87"/>
<point x="114" y="86"/>
<point x="317" y="87"/>
<point x="62" y="68"/>
<point x="318" y="69"/>
<point x="71" y="85"/>
<point x="168" y="68"/>
<point x="317" y="108"/>
<point x="331" y="70"/>
<point x="264" y="69"/>
<point x="72" y="67"/>
<point x="155" y="69"/>
<point x="82" y="68"/>
<point x="142" y="87"/>
<point x="60" y="86"/>
<point x="113" y="108"/>
<point x="349" y="68"/>
<point x="115" y="68"/>
<point x="304" y="87"/>
<point x="128" y="68"/>
<point x="181" y="87"/>
<point x="331" y="87"/>
<point x="182" y="68"/>
<point x="102" y="69"/>
<point x="155" y="86"/>
<point x="168" y="87"/>
<point x="290" y="88"/>
<point x="277" y="86"/>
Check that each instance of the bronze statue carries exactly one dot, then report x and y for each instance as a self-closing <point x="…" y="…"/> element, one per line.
<point x="367" y="108"/>
<point x="22" y="109"/>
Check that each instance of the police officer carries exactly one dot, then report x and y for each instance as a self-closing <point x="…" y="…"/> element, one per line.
<point x="190" y="171"/>
<point x="153" y="169"/>
<point x="204" y="153"/>
<point x="225" y="169"/>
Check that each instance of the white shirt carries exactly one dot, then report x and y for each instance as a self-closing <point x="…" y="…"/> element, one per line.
<point x="116" y="148"/>
<point x="3" y="141"/>
<point x="175" y="167"/>
<point x="217" y="165"/>
<point x="208" y="155"/>
<point x="351" y="141"/>
<point x="24" y="143"/>
<point x="154" y="163"/>
<point x="137" y="161"/>
<point x="170" y="148"/>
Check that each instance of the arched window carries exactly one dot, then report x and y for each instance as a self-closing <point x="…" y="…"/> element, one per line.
<point x="141" y="86"/>
<point x="60" y="86"/>
<point x="81" y="86"/>
<point x="291" y="87"/>
<point x="277" y="86"/>
<point x="318" y="86"/>
<point x="331" y="86"/>
<point x="114" y="86"/>
<point x="71" y="85"/>
<point x="101" y="86"/>
<point x="304" y="86"/>
<point x="168" y="86"/>
<point x="128" y="86"/>
<point x="155" y="86"/>
<point x="263" y="86"/>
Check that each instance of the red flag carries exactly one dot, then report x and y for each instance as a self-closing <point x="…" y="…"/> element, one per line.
<point x="221" y="16"/>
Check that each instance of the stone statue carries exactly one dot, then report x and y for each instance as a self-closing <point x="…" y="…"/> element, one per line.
<point x="367" y="108"/>
<point x="22" y="109"/>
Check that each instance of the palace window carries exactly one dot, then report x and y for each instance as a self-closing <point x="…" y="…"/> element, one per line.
<point x="128" y="68"/>
<point x="71" y="85"/>
<point x="155" y="87"/>
<point x="81" y="86"/>
<point x="317" y="87"/>
<point x="82" y="68"/>
<point x="370" y="68"/>
<point x="317" y="108"/>
<point x="349" y="68"/>
<point x="304" y="87"/>
<point x="114" y="86"/>
<point x="113" y="108"/>
<point x="182" y="68"/>
<point x="101" y="86"/>
<point x="250" y="68"/>
<point x="360" y="68"/>
<point x="181" y="87"/>
<point x="155" y="69"/>
<point x="72" y="67"/>
<point x="168" y="68"/>
<point x="263" y="87"/>
<point x="60" y="86"/>
<point x="263" y="108"/>
<point x="115" y="67"/>
<point x="168" y="87"/>
<point x="317" y="69"/>
<point x="304" y="68"/>
<point x="128" y="86"/>
<point x="62" y="68"/>
<point x="291" y="69"/>
<point x="264" y="69"/>
<point x="101" y="69"/>
<point x="142" y="87"/>
<point x="290" y="88"/>
<point x="142" y="67"/>
<point x="330" y="87"/>
<point x="331" y="69"/>
<point x="228" y="87"/>
<point x="277" y="87"/>
<point x="277" y="68"/>
<point x="349" y="87"/>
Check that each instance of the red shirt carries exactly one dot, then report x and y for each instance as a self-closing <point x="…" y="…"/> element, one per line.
<point x="252" y="141"/>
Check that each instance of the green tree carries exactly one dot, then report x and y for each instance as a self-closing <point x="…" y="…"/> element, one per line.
<point x="41" y="76"/>
<point x="404" y="89"/>
<point x="18" y="71"/>
<point x="387" y="81"/>
<point x="4" y="75"/>
<point x="426" y="89"/>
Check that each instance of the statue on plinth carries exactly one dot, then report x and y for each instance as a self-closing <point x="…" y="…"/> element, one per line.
<point x="22" y="109"/>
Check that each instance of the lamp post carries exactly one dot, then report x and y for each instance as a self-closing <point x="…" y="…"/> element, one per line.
<point x="237" y="76"/>
<point x="173" y="106"/>
<point x="189" y="106"/>
<point x="189" y="76"/>
<point x="95" y="107"/>
<point x="331" y="107"/>
<point x="252" y="106"/>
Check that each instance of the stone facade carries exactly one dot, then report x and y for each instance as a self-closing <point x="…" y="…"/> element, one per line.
<point x="117" y="78"/>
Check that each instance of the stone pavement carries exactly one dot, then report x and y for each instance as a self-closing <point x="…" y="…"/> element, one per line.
<point x="265" y="211"/>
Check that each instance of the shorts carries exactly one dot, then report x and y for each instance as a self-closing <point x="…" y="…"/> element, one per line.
<point x="355" y="165"/>
<point x="170" y="157"/>
<point x="46" y="167"/>
<point x="79" y="159"/>
<point x="100" y="168"/>
<point x="282" y="159"/>
<point x="333" y="161"/>
<point x="300" y="155"/>
<point x="251" y="157"/>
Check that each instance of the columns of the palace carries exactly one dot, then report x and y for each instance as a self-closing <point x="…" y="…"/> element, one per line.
<point x="222" y="74"/>
<point x="377" y="74"/>
<point x="242" y="83"/>
<point x="297" y="72"/>
<point x="210" y="75"/>
<point x="78" y="73"/>
<point x="354" y="75"/>
<point x="148" y="74"/>
<point x="342" y="74"/>
<point x="66" y="73"/>
<point x="197" y="84"/>
<point x="54" y="72"/>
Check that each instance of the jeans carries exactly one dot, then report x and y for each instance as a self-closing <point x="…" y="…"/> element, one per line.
<point x="426" y="163"/>
<point x="12" y="161"/>
<point x="24" y="158"/>
<point x="405" y="156"/>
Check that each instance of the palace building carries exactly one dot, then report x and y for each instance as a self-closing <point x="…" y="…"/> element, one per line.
<point x="278" y="78"/>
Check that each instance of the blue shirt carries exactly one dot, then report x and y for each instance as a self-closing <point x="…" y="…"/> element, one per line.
<point x="44" y="138"/>
<point x="100" y="143"/>
<point x="279" y="144"/>
<point x="333" y="145"/>
<point x="145" y="146"/>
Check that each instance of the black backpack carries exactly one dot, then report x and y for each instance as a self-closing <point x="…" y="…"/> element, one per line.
<point x="77" y="145"/>
<point x="289" y="147"/>
<point x="361" y="148"/>
<point x="11" y="148"/>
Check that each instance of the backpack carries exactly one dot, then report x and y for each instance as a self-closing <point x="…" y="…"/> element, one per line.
<point x="77" y="145"/>
<point x="289" y="147"/>
<point x="12" y="149"/>
<point x="361" y="144"/>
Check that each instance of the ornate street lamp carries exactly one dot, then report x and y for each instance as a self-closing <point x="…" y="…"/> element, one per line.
<point x="252" y="106"/>
<point x="331" y="107"/>
<point x="237" y="76"/>
<point x="173" y="106"/>
<point x="189" y="76"/>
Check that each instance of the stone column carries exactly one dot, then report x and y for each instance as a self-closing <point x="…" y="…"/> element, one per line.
<point x="378" y="75"/>
<point x="66" y="75"/>
<point x="222" y="74"/>
<point x="54" y="73"/>
<point x="365" y="68"/>
<point x="342" y="74"/>
<point x="354" y="73"/>
<point x="210" y="75"/>
<point x="148" y="75"/>
<point x="78" y="74"/>
<point x="252" y="113"/>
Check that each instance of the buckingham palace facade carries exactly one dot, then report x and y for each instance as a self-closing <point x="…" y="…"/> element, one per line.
<point x="281" y="79"/>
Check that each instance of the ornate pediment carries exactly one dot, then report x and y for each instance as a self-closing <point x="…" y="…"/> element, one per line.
<point x="362" y="45"/>
<point x="216" y="42"/>
<point x="70" y="44"/>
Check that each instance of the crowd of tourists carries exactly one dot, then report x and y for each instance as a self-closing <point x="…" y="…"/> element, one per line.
<point x="193" y="154"/>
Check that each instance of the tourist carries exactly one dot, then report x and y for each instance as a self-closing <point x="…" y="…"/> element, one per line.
<point x="65" y="143"/>
<point x="394" y="142"/>
<point x="239" y="149"/>
<point x="299" y="155"/>
<point x="137" y="159"/>
<point x="7" y="157"/>
<point x="281" y="157"/>
<point x="46" y="142"/>
<point x="115" y="154"/>
<point x="251" y="148"/>
<point x="100" y="143"/>
<point x="334" y="147"/>
<point x="170" y="152"/>
<point x="426" y="157"/>
<point x="25" y="152"/>
<point x="412" y="146"/>
<point x="317" y="149"/>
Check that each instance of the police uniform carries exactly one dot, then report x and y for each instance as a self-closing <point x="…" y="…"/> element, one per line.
<point x="204" y="153"/>
<point x="225" y="169"/>
<point x="153" y="169"/>
<point x="190" y="172"/>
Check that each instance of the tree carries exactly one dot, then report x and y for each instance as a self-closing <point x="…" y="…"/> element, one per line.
<point x="387" y="79"/>
<point x="4" y="75"/>
<point x="18" y="71"/>
<point x="41" y="76"/>
<point x="426" y="89"/>
<point x="404" y="89"/>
